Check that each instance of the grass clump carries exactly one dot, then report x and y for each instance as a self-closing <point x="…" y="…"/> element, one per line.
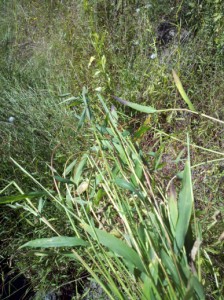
<point x="125" y="51"/>
<point x="153" y="240"/>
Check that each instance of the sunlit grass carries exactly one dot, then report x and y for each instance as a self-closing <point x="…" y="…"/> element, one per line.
<point x="50" y="50"/>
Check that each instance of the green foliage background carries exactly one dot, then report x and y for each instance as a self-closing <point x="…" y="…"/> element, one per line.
<point x="50" y="50"/>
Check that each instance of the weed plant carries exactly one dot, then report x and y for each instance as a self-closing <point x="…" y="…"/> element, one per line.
<point x="51" y="49"/>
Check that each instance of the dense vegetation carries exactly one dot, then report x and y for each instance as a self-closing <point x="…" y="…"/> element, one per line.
<point x="112" y="151"/>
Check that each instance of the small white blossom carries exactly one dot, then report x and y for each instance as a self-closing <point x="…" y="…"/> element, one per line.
<point x="11" y="119"/>
<point x="137" y="10"/>
<point x="153" y="56"/>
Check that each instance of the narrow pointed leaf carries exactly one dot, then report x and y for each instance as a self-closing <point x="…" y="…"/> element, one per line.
<point x="185" y="204"/>
<point x="169" y="264"/>
<point x="194" y="287"/>
<point x="70" y="167"/>
<point x="82" y="119"/>
<point x="173" y="209"/>
<point x="16" y="198"/>
<point x="58" y="241"/>
<point x="142" y="108"/>
<point x="116" y="245"/>
<point x="63" y="180"/>
<point x="125" y="185"/>
<point x="79" y="169"/>
<point x="182" y="91"/>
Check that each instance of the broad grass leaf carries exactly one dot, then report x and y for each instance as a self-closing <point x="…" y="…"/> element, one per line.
<point x="70" y="167"/>
<point x="173" y="209"/>
<point x="194" y="287"/>
<point x="79" y="169"/>
<point x="86" y="102"/>
<point x="121" y="152"/>
<point x="137" y="173"/>
<point x="147" y="290"/>
<point x="58" y="241"/>
<point x="117" y="246"/>
<point x="140" y="132"/>
<point x="138" y="107"/>
<point x="98" y="196"/>
<point x="125" y="185"/>
<point x="63" y="180"/>
<point x="169" y="264"/>
<point x="182" y="91"/>
<point x="82" y="119"/>
<point x="16" y="198"/>
<point x="185" y="204"/>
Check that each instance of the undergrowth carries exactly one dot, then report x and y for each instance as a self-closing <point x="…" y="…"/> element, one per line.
<point x="49" y="51"/>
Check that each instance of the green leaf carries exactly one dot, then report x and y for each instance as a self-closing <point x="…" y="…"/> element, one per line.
<point x="173" y="209"/>
<point x="185" y="204"/>
<point x="63" y="180"/>
<point x="82" y="119"/>
<point x="169" y="264"/>
<point x="141" y="131"/>
<point x="142" y="108"/>
<point x="16" y="198"/>
<point x="58" y="241"/>
<point x="125" y="185"/>
<point x="79" y="169"/>
<point x="182" y="91"/>
<point x="138" y="171"/>
<point x="70" y="167"/>
<point x="194" y="286"/>
<point x="86" y="102"/>
<point x="116" y="245"/>
<point x="99" y="195"/>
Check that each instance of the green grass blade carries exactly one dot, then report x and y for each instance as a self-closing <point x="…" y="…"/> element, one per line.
<point x="169" y="264"/>
<point x="185" y="205"/>
<point x="182" y="91"/>
<point x="79" y="169"/>
<point x="63" y="180"/>
<point x="194" y="286"/>
<point x="117" y="246"/>
<point x="58" y="241"/>
<point x="70" y="167"/>
<point x="173" y="209"/>
<point x="141" y="108"/>
<point x="82" y="119"/>
<point x="125" y="185"/>
<point x="16" y="198"/>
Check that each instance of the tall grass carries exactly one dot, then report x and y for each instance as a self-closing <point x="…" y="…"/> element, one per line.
<point x="138" y="242"/>
<point x="112" y="189"/>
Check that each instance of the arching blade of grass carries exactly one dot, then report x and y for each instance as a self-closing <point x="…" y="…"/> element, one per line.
<point x="142" y="108"/>
<point x="117" y="246"/>
<point x="57" y="241"/>
<point x="16" y="198"/>
<point x="79" y="169"/>
<point x="185" y="205"/>
<point x="182" y="91"/>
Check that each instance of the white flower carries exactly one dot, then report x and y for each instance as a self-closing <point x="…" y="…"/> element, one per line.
<point x="11" y="119"/>
<point x="153" y="56"/>
<point x="137" y="10"/>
